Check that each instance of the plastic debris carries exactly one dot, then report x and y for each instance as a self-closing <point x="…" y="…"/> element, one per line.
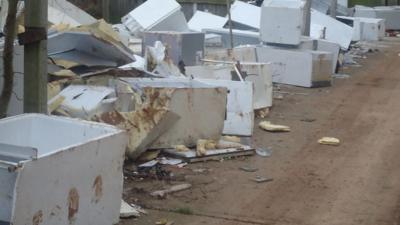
<point x="231" y="139"/>
<point x="260" y="179"/>
<point x="176" y="188"/>
<point x="268" y="126"/>
<point x="128" y="211"/>
<point x="203" y="145"/>
<point x="181" y="148"/>
<point x="148" y="164"/>
<point x="329" y="141"/>
<point x="264" y="152"/>
<point x="170" y="161"/>
<point x="248" y="168"/>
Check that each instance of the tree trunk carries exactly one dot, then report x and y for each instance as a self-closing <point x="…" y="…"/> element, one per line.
<point x="8" y="77"/>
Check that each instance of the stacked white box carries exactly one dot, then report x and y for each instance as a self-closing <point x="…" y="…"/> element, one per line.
<point x="156" y="15"/>
<point x="299" y="68"/>
<point x="311" y="44"/>
<point x="203" y="20"/>
<point x="246" y="14"/>
<point x="373" y="29"/>
<point x="282" y="22"/>
<point x="365" y="29"/>
<point x="391" y="14"/>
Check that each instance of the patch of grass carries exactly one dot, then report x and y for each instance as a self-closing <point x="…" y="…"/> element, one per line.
<point x="183" y="210"/>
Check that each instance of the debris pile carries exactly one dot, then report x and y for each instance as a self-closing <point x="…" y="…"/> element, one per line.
<point x="178" y="89"/>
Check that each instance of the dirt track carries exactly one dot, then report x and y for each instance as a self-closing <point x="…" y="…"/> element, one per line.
<point x="357" y="182"/>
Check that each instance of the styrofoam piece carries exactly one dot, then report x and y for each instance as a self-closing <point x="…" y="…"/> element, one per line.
<point x="202" y="20"/>
<point x="282" y="22"/>
<point x="299" y="68"/>
<point x="335" y="31"/>
<point x="239" y="108"/>
<point x="240" y="37"/>
<point x="153" y="12"/>
<point x="84" y="101"/>
<point x="247" y="14"/>
<point x="73" y="176"/>
<point x="182" y="47"/>
<point x="190" y="100"/>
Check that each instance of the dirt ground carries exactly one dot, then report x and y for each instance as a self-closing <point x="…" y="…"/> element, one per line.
<point x="357" y="182"/>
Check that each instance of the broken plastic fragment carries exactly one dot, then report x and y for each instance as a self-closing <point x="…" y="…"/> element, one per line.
<point x="201" y="149"/>
<point x="329" y="141"/>
<point x="231" y="139"/>
<point x="268" y="126"/>
<point x="128" y="211"/>
<point x="181" y="148"/>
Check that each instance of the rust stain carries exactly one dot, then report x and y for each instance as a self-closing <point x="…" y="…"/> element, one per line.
<point x="113" y="118"/>
<point x="98" y="189"/>
<point x="37" y="218"/>
<point x="73" y="204"/>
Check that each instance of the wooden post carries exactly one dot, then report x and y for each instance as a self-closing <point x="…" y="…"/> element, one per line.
<point x="307" y="26"/>
<point x="228" y="6"/>
<point x="8" y="56"/>
<point x="35" y="59"/>
<point x="333" y="8"/>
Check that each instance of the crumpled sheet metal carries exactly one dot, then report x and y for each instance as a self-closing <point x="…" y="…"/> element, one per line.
<point x="85" y="48"/>
<point x="143" y="126"/>
<point x="202" y="108"/>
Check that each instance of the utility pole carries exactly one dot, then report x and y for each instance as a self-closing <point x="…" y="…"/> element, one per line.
<point x="333" y="8"/>
<point x="35" y="56"/>
<point x="307" y="8"/>
<point x="228" y="6"/>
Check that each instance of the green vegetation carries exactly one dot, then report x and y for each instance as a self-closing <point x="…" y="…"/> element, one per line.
<point x="183" y="210"/>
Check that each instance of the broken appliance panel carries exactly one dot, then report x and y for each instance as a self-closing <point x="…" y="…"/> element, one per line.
<point x="57" y="171"/>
